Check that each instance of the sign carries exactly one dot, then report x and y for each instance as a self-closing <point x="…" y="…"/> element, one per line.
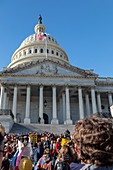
<point x="33" y="138"/>
<point x="65" y="141"/>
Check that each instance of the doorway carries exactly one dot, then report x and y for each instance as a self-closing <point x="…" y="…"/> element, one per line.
<point x="45" y="117"/>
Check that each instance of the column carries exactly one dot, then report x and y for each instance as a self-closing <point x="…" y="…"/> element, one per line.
<point x="5" y="101"/>
<point x="87" y="104"/>
<point x="27" y="113"/>
<point x="14" y="103"/>
<point x="81" y="107"/>
<point x="64" y="106"/>
<point x="41" y="105"/>
<point x="60" y="116"/>
<point x="54" y="120"/>
<point x="2" y="97"/>
<point x="68" y="116"/>
<point x="99" y="103"/>
<point x="110" y="99"/>
<point x="7" y="107"/>
<point x="94" y="108"/>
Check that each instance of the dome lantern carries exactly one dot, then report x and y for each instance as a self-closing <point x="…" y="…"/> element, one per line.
<point x="39" y="28"/>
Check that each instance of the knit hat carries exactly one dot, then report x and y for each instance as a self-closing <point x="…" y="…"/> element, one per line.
<point x="25" y="164"/>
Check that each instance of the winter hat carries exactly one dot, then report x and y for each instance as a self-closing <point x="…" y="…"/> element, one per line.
<point x="25" y="164"/>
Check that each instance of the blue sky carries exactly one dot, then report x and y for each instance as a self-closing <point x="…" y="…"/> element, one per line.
<point x="83" y="28"/>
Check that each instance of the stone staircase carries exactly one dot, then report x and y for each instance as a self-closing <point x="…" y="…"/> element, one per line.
<point x="40" y="128"/>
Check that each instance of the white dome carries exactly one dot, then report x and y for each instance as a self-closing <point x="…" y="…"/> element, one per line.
<point x="33" y="49"/>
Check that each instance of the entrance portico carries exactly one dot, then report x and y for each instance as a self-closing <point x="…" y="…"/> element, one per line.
<point x="65" y="104"/>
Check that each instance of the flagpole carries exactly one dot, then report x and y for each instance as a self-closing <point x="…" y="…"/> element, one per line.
<point x="46" y="47"/>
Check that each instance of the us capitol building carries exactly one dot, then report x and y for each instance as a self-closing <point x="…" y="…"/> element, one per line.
<point x="41" y="86"/>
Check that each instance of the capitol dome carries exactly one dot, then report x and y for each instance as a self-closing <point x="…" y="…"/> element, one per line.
<point x="37" y="47"/>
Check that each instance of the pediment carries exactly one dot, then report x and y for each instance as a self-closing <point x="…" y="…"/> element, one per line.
<point x="48" y="67"/>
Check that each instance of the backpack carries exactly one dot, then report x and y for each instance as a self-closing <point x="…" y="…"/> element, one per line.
<point x="62" y="166"/>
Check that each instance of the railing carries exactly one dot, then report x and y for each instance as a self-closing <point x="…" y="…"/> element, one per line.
<point x="6" y="112"/>
<point x="105" y="115"/>
<point x="104" y="79"/>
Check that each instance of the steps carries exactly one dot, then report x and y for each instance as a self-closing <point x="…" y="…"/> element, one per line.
<point x="40" y="128"/>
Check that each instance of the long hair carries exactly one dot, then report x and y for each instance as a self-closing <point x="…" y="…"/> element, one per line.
<point x="94" y="138"/>
<point x="66" y="153"/>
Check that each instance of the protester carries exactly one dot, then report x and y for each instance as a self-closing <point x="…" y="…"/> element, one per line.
<point x="45" y="162"/>
<point x="23" y="162"/>
<point x="58" y="145"/>
<point x="93" y="140"/>
<point x="64" y="159"/>
<point x="38" y="152"/>
<point x="2" y="134"/>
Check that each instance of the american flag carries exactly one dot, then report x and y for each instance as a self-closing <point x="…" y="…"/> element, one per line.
<point x="41" y="37"/>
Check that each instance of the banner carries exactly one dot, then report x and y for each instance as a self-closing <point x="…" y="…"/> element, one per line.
<point x="27" y="151"/>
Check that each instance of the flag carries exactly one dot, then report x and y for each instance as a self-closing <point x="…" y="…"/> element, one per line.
<point x="41" y="37"/>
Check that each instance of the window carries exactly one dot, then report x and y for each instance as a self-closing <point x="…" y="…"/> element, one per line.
<point x="41" y="50"/>
<point x="24" y="52"/>
<point x="20" y="54"/>
<point x="52" y="39"/>
<point x="49" y="38"/>
<point x="57" y="53"/>
<point x="29" y="51"/>
<point x="52" y="52"/>
<point x="35" y="50"/>
<point x="47" y="51"/>
<point x="60" y="55"/>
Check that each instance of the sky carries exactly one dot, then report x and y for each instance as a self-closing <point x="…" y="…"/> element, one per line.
<point x="83" y="28"/>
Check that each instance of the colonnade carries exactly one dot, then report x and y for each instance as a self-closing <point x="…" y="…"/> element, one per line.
<point x="65" y="103"/>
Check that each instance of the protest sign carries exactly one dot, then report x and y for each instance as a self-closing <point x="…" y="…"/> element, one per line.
<point x="65" y="141"/>
<point x="33" y="138"/>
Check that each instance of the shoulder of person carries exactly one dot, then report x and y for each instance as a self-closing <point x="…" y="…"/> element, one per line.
<point x="76" y="166"/>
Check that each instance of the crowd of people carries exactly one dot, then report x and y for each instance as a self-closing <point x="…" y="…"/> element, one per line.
<point x="89" y="148"/>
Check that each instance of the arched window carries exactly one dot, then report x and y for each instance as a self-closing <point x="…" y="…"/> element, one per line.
<point x="20" y="54"/>
<point x="52" y="52"/>
<point x="41" y="50"/>
<point x="35" y="50"/>
<point x="29" y="51"/>
<point x="24" y="52"/>
<point x="60" y="55"/>
<point x="57" y="53"/>
<point x="47" y="51"/>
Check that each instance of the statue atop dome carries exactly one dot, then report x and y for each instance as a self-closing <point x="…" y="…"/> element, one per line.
<point x="40" y="19"/>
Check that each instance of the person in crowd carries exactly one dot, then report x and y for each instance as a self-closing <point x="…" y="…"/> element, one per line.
<point x="64" y="159"/>
<point x="2" y="134"/>
<point x="57" y="146"/>
<point x="93" y="139"/>
<point x="5" y="164"/>
<point x="13" y="159"/>
<point x="24" y="163"/>
<point x="47" y="143"/>
<point x="45" y="162"/>
<point x="38" y="152"/>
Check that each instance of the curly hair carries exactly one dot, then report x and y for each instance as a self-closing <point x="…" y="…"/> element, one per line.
<point x="94" y="139"/>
